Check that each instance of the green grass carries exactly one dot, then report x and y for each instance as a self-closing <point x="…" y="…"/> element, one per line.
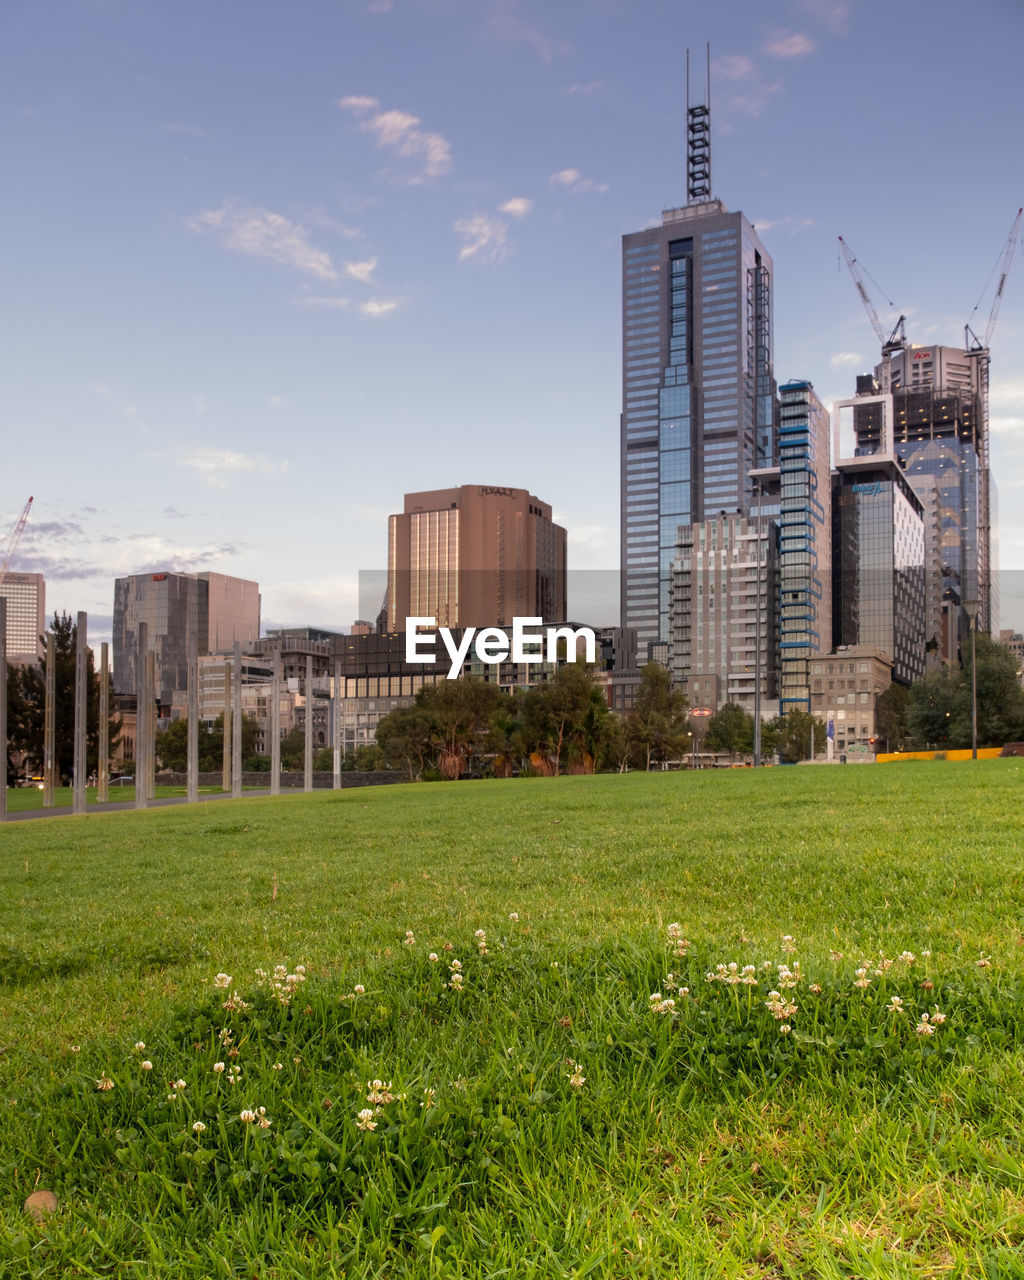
<point x="703" y="1141"/>
<point x="22" y="799"/>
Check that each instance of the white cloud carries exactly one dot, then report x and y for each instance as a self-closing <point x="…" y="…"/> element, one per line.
<point x="276" y="402"/>
<point x="584" y="90"/>
<point x="796" y="45"/>
<point x="574" y="181"/>
<point x="844" y="359"/>
<point x="359" y="102"/>
<point x="361" y="270"/>
<point x="216" y="465"/>
<point x="199" y="404"/>
<point x="259" y="233"/>
<point x="377" y="307"/>
<point x="401" y="130"/>
<point x="1006" y="410"/>
<point x="484" y="238"/>
<point x="789" y="222"/>
<point x="517" y="207"/>
<point x="312" y="300"/>
<point x="746" y="89"/>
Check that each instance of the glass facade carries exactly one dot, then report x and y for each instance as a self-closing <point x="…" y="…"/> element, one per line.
<point x="805" y="574"/>
<point x="698" y="391"/>
<point x="878" y="566"/>
<point x="25" y="594"/>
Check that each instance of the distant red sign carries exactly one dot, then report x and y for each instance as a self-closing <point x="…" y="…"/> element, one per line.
<point x="159" y="577"/>
<point x="922" y="355"/>
<point x="701" y="711"/>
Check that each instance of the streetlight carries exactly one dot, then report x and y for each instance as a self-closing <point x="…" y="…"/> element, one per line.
<point x="971" y="608"/>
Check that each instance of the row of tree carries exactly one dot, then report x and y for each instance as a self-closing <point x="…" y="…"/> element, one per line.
<point x="935" y="713"/>
<point x="26" y="708"/>
<point x="465" y="727"/>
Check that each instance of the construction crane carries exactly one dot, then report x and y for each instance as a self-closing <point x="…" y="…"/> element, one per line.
<point x="13" y="540"/>
<point x="894" y="341"/>
<point x="978" y="348"/>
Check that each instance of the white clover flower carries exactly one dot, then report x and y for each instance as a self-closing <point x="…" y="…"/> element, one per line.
<point x="985" y="962"/>
<point x="180" y="1084"/>
<point x="456" y="982"/>
<point x="514" y="916"/>
<point x="428" y="1099"/>
<point x="938" y="1017"/>
<point x="479" y="934"/>
<point x="104" y="1083"/>
<point x="218" y="1067"/>
<point x="576" y="1079"/>
<point x="410" y="938"/>
<point x="366" y="1120"/>
<point x="140" y="1046"/>
<point x="785" y="1029"/>
<point x="433" y="957"/>
<point x="835" y="955"/>
<point x="380" y="1093"/>
<point x="907" y="957"/>
<point x="926" y="954"/>
<point x="456" y="966"/>
<point x="788" y="945"/>
<point x="674" y="930"/>
<point x="895" y="1005"/>
<point x="199" y="1127"/>
<point x="814" y="989"/>
<point x="222" y="981"/>
<point x="247" y="1116"/>
<point x="359" y="989"/>
<point x="146" y="1065"/>
<point x="924" y="1027"/>
<point x="263" y="1122"/>
<point x="277" y="1067"/>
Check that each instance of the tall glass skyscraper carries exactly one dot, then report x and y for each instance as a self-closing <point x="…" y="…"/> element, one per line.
<point x="698" y="391"/>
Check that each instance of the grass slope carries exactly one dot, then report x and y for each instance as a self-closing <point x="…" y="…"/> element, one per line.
<point x="703" y="1140"/>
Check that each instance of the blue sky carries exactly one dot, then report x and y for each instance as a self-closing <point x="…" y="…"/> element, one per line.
<point x="268" y="266"/>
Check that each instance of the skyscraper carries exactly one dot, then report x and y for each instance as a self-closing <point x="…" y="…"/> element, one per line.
<point x="218" y="608"/>
<point x="475" y="556"/>
<point x="25" y="594"/>
<point x="698" y="391"/>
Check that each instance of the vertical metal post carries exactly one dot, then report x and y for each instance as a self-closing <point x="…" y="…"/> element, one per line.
<point x="336" y="723"/>
<point x="142" y="711"/>
<point x="974" y="686"/>
<point x="236" y="726"/>
<point x="151" y="726"/>
<point x="192" y="748"/>
<point x="275" y="727"/>
<point x="307" y="761"/>
<point x="757" y="624"/>
<point x="3" y="708"/>
<point x="50" y="723"/>
<point x="103" y="736"/>
<point x="225" y="767"/>
<point x="80" y="763"/>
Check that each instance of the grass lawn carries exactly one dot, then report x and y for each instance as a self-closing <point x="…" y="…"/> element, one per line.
<point x="21" y="799"/>
<point x="742" y="1024"/>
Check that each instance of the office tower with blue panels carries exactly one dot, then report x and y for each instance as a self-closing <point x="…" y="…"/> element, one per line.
<point x="698" y="391"/>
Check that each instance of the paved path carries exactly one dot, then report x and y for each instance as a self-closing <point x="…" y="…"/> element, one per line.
<point x="65" y="811"/>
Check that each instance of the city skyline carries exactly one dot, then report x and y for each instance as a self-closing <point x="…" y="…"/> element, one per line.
<point x="273" y="270"/>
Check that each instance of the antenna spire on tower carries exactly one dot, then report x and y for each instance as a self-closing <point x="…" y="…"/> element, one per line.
<point x="698" y="139"/>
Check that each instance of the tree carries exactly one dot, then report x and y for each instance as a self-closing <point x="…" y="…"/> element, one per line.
<point x="293" y="750"/>
<point x="403" y="735"/>
<point x="791" y="735"/>
<point x="891" y="711"/>
<point x="460" y="714"/>
<point x="730" y="729"/>
<point x="172" y="745"/>
<point x="566" y="720"/>
<point x="930" y="707"/>
<point x="26" y="728"/>
<point x="656" y="726"/>
<point x="1000" y="697"/>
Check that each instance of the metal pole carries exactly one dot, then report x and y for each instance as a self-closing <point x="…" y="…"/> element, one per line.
<point x="336" y="708"/>
<point x="3" y="708"/>
<point x="141" y="717"/>
<point x="192" y="746"/>
<point x="103" y="735"/>
<point x="80" y="765"/>
<point x="974" y="687"/>
<point x="236" y="726"/>
<point x="225" y="766"/>
<point x="275" y="727"/>
<point x="151" y="719"/>
<point x="307" y="762"/>
<point x="757" y="642"/>
<point x="50" y="723"/>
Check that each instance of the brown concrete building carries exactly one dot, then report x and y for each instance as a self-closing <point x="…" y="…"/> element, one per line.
<point x="25" y="594"/>
<point x="844" y="689"/>
<point x="475" y="556"/>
